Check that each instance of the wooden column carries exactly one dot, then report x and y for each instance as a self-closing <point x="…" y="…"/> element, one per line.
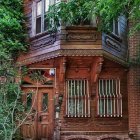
<point x="62" y="74"/>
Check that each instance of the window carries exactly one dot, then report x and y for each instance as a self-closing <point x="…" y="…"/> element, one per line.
<point x="39" y="11"/>
<point x="28" y="101"/>
<point x="109" y="98"/>
<point x="77" y="98"/>
<point x="116" y="27"/>
<point x="45" y="102"/>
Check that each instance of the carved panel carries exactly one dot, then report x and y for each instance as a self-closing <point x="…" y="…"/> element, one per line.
<point x="110" y="42"/>
<point x="116" y="47"/>
<point x="73" y="36"/>
<point x="41" y="42"/>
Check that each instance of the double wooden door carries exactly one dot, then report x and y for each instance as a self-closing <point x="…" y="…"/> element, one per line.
<point x="39" y="114"/>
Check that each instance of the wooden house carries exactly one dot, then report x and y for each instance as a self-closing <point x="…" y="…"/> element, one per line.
<point x="84" y="91"/>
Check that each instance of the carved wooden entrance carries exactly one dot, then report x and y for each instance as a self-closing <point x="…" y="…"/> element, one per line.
<point x="39" y="111"/>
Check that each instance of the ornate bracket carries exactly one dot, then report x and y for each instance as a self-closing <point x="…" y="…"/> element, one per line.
<point x="95" y="71"/>
<point x="96" y="68"/>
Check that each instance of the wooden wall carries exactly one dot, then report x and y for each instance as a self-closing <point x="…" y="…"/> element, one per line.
<point x="95" y="123"/>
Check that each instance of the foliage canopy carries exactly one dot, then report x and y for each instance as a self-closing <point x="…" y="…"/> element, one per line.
<point x="79" y="12"/>
<point x="12" y="31"/>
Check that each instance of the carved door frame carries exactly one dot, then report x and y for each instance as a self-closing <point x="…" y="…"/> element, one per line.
<point x="40" y="123"/>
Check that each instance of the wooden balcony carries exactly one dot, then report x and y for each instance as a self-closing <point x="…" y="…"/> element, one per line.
<point x="74" y="41"/>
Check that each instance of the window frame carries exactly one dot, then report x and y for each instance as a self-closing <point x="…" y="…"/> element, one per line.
<point x="34" y="16"/>
<point x="87" y="112"/>
<point x="118" y="99"/>
<point x="114" y="28"/>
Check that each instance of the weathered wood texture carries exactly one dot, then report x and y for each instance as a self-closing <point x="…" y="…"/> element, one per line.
<point x="82" y="68"/>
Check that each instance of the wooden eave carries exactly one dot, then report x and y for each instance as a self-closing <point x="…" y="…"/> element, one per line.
<point x="28" y="59"/>
<point x="71" y="41"/>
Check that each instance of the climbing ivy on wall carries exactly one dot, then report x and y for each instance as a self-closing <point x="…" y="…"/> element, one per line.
<point x="12" y="41"/>
<point x="12" y="30"/>
<point x="108" y="10"/>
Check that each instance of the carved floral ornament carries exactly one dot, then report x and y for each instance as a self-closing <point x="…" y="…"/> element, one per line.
<point x="82" y="36"/>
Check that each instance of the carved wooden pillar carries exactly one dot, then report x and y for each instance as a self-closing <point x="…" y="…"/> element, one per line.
<point x="62" y="74"/>
<point x="61" y="86"/>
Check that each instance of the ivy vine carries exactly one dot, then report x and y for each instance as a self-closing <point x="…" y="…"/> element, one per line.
<point x="12" y="30"/>
<point x="13" y="40"/>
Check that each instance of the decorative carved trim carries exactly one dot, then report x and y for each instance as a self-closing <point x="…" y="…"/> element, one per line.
<point x="72" y="36"/>
<point x="110" y="42"/>
<point x="42" y="42"/>
<point x="54" y="54"/>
